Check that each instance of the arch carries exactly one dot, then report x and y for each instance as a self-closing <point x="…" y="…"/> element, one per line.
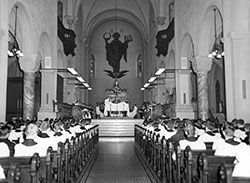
<point x="187" y="49"/>
<point x="104" y="16"/>
<point x="93" y="20"/>
<point x="44" y="49"/>
<point x="152" y="4"/>
<point x="25" y="36"/>
<point x="170" y="64"/>
<point x="170" y="77"/>
<point x="216" y="75"/>
<point x="206" y="35"/>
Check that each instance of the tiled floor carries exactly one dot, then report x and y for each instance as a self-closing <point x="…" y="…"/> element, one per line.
<point x="117" y="163"/>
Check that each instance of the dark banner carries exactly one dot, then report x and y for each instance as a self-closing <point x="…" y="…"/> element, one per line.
<point x="67" y="36"/>
<point x="163" y="39"/>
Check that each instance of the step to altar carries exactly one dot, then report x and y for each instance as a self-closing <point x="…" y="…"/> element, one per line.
<point x="110" y="127"/>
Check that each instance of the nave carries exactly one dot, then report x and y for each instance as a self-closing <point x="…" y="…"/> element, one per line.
<point x="117" y="162"/>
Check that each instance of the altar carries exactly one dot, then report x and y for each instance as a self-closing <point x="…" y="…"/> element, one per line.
<point x="116" y="102"/>
<point x="120" y="109"/>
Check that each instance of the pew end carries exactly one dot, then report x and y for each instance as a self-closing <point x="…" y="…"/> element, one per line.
<point x="225" y="175"/>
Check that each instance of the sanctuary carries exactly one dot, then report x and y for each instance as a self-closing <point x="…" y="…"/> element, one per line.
<point x="116" y="102"/>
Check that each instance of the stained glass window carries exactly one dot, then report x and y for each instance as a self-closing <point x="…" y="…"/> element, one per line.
<point x="171" y="11"/>
<point x="139" y="66"/>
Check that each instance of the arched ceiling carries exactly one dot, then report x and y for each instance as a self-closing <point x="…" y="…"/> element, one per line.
<point x="138" y="13"/>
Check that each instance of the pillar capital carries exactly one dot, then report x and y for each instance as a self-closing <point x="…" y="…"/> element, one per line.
<point x="201" y="64"/>
<point x="29" y="63"/>
<point x="160" y="20"/>
<point x="71" y="20"/>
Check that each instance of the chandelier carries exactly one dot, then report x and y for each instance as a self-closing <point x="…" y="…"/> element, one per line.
<point x="218" y="46"/>
<point x="14" y="50"/>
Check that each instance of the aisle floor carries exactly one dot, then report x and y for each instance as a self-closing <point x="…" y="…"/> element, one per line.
<point x="117" y="163"/>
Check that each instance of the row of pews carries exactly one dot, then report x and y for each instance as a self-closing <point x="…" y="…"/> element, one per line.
<point x="168" y="163"/>
<point x="68" y="164"/>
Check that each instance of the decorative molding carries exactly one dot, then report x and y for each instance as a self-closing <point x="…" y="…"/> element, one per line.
<point x="71" y="20"/>
<point x="29" y="63"/>
<point x="201" y="64"/>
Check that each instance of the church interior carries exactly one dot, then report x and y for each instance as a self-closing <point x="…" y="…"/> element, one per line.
<point x="125" y="91"/>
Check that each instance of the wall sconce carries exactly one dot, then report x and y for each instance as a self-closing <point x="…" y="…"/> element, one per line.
<point x="14" y="50"/>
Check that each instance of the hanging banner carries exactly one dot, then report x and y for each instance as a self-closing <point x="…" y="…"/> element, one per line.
<point x="163" y="39"/>
<point x="67" y="36"/>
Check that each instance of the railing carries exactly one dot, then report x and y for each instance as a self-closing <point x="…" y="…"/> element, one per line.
<point x="69" y="164"/>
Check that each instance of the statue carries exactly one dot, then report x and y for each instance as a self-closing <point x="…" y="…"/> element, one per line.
<point x="115" y="51"/>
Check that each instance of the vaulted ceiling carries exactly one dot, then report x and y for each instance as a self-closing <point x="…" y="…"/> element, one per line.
<point x="138" y="13"/>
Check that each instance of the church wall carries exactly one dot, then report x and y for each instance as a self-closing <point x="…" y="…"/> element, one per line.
<point x="100" y="82"/>
<point x="237" y="49"/>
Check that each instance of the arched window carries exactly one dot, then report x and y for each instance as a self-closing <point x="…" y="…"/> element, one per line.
<point x="217" y="96"/>
<point x="193" y="78"/>
<point x="139" y="66"/>
<point x="92" y="65"/>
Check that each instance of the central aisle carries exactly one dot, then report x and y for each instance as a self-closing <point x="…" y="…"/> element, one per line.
<point x="117" y="162"/>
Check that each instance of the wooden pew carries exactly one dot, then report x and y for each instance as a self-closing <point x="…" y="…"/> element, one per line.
<point x="186" y="164"/>
<point x="28" y="167"/>
<point x="13" y="174"/>
<point x="225" y="175"/>
<point x="159" y="156"/>
<point x="208" y="166"/>
<point x="64" y="165"/>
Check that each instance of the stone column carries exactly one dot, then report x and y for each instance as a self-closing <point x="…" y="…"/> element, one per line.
<point x="29" y="66"/>
<point x="201" y="65"/>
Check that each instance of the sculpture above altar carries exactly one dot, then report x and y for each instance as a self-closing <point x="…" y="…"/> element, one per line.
<point x="115" y="51"/>
<point x="116" y="94"/>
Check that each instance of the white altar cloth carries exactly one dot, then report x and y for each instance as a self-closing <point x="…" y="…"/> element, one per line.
<point x="113" y="107"/>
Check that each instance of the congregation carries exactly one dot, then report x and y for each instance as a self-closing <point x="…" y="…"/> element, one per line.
<point x="225" y="138"/>
<point x="24" y="138"/>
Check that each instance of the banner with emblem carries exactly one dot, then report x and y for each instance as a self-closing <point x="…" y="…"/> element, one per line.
<point x="67" y="36"/>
